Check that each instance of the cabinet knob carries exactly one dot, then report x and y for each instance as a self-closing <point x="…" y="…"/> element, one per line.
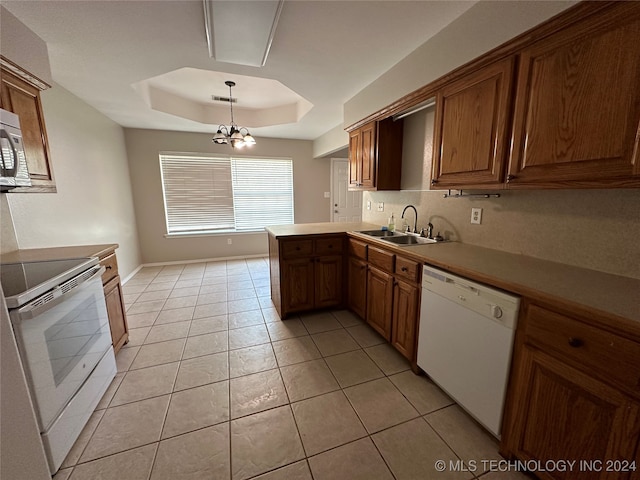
<point x="434" y="181"/>
<point x="511" y="177"/>
<point x="404" y="269"/>
<point x="575" y="342"/>
<point x="298" y="248"/>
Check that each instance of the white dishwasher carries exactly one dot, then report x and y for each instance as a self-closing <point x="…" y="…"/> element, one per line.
<point x="465" y="342"/>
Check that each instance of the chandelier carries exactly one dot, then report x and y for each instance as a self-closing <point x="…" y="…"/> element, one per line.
<point x="233" y="135"/>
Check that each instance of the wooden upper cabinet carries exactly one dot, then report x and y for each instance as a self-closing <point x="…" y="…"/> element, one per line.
<point x="577" y="106"/>
<point x="375" y="156"/>
<point x="23" y="99"/>
<point x="471" y="135"/>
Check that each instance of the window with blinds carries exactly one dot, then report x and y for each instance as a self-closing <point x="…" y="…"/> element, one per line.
<point x="209" y="194"/>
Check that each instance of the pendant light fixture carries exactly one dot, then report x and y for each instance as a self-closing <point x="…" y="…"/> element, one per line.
<point x="233" y="135"/>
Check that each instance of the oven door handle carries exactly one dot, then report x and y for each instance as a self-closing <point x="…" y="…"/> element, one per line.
<point x="42" y="304"/>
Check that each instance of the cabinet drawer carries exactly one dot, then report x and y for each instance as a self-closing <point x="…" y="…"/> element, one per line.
<point x="591" y="347"/>
<point x="110" y="263"/>
<point x="381" y="258"/>
<point x="357" y="249"/>
<point x="329" y="246"/>
<point x="407" y="269"/>
<point x="297" y="248"/>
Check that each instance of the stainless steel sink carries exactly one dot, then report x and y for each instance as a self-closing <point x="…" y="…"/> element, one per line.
<point x="381" y="233"/>
<point x="404" y="240"/>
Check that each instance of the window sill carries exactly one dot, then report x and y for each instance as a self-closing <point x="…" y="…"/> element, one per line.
<point x="213" y="234"/>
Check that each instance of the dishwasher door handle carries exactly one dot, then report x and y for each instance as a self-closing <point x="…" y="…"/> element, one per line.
<point x="462" y="286"/>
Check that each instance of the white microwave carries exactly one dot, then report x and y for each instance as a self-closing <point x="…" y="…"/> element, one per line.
<point x="13" y="162"/>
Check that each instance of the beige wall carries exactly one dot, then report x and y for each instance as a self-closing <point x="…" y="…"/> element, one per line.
<point x="93" y="204"/>
<point x="484" y="26"/>
<point x="23" y="47"/>
<point x="596" y="229"/>
<point x="311" y="179"/>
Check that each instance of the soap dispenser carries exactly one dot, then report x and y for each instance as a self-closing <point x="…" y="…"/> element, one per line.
<point x="392" y="223"/>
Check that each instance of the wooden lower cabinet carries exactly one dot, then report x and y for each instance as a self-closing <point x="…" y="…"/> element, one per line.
<point x="115" y="309"/>
<point x="298" y="288"/>
<point x="357" y="286"/>
<point x="115" y="300"/>
<point x="384" y="290"/>
<point x="328" y="272"/>
<point x="560" y="408"/>
<point x="406" y="301"/>
<point x="379" y="301"/>
<point x="306" y="273"/>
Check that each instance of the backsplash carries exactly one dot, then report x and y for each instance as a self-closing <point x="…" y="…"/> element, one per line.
<point x="596" y="229"/>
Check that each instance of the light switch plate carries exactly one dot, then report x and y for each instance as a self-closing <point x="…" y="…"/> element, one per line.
<point x="476" y="216"/>
<point x="368" y="204"/>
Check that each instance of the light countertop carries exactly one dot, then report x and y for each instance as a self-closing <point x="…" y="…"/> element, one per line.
<point x="57" y="253"/>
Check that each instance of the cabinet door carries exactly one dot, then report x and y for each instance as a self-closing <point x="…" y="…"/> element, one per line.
<point x="405" y="317"/>
<point x="472" y="126"/>
<point x="115" y="311"/>
<point x="357" y="288"/>
<point x="297" y="285"/>
<point x="24" y="100"/>
<point x="328" y="281"/>
<point x="379" y="301"/>
<point x="577" y="107"/>
<point x="564" y="414"/>
<point x="368" y="155"/>
<point x="355" y="159"/>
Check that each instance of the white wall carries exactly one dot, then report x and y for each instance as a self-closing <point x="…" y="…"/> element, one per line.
<point x="311" y="179"/>
<point x="93" y="204"/>
<point x="484" y="26"/>
<point x="16" y="40"/>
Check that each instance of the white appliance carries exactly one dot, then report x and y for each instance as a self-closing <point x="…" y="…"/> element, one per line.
<point x="59" y="318"/>
<point x="465" y="342"/>
<point x="13" y="162"/>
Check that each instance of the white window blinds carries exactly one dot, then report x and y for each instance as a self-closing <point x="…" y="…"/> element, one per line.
<point x="204" y="193"/>
<point x="262" y="192"/>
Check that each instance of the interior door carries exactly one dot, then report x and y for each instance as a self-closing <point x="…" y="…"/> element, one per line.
<point x="346" y="204"/>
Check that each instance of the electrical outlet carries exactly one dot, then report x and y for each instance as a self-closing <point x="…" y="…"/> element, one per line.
<point x="368" y="204"/>
<point x="229" y="241"/>
<point x="381" y="207"/>
<point x="476" y="216"/>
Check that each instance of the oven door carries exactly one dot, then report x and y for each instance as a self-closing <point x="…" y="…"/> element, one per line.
<point x="62" y="335"/>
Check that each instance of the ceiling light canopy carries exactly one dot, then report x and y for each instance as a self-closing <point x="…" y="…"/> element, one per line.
<point x="233" y="135"/>
<point x="253" y="22"/>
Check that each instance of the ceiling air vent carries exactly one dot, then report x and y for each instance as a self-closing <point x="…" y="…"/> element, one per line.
<point x="217" y="98"/>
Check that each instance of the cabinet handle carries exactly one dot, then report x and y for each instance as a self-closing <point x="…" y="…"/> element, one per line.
<point x="404" y="269"/>
<point x="511" y="177"/>
<point x="298" y="248"/>
<point x="575" y="342"/>
<point x="434" y="181"/>
<point x="108" y="267"/>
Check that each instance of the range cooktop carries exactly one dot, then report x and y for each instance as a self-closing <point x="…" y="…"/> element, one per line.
<point x="22" y="282"/>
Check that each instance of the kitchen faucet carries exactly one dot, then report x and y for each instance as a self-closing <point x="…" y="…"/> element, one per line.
<point x="415" y="225"/>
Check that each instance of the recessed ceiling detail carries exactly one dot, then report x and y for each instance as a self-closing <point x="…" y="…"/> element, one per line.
<point x="190" y="93"/>
<point x="241" y="32"/>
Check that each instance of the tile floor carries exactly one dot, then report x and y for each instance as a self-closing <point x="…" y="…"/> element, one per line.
<point x="214" y="385"/>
